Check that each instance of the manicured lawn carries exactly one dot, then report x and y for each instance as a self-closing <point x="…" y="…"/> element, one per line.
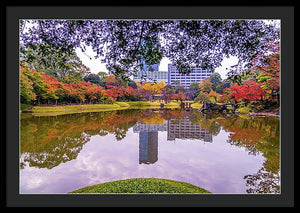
<point x="152" y="104"/>
<point x="138" y="103"/>
<point x="142" y="185"/>
<point x="71" y="109"/>
<point x="74" y="107"/>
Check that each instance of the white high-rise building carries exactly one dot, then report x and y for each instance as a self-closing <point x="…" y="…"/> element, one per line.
<point x="196" y="75"/>
<point x="151" y="76"/>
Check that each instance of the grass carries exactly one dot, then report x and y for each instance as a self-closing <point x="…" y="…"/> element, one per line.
<point x="152" y="104"/>
<point x="123" y="104"/>
<point x="72" y="109"/>
<point x="138" y="103"/>
<point x="142" y="185"/>
<point x="143" y="105"/>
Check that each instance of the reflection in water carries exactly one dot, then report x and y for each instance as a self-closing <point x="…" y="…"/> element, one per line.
<point x="263" y="182"/>
<point x="148" y="147"/>
<point x="150" y="127"/>
<point x="148" y="141"/>
<point x="182" y="129"/>
<point x="50" y="142"/>
<point x="185" y="129"/>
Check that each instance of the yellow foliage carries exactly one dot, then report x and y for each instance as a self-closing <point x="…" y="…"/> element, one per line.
<point x="213" y="96"/>
<point x="154" y="88"/>
<point x="139" y="86"/>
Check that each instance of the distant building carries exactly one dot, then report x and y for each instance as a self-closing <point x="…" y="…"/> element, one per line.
<point x="185" y="129"/>
<point x="151" y="76"/>
<point x="150" y="73"/>
<point x="197" y="75"/>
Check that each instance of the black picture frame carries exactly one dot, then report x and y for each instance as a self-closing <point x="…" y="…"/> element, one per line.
<point x="11" y="196"/>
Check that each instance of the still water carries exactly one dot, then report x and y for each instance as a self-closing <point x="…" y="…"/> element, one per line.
<point x="232" y="154"/>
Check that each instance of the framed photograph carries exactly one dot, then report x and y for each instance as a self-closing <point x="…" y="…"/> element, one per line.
<point x="149" y="106"/>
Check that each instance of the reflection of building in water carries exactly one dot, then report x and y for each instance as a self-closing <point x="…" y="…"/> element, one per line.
<point x="148" y="147"/>
<point x="150" y="127"/>
<point x="184" y="129"/>
<point x="148" y="141"/>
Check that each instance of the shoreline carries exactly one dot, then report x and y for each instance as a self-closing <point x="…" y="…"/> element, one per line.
<point x="86" y="108"/>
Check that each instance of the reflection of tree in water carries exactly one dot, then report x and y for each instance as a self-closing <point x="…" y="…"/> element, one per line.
<point x="263" y="182"/>
<point x="259" y="136"/>
<point x="168" y="114"/>
<point x="52" y="154"/>
<point x="48" y="141"/>
<point x="119" y="122"/>
<point x="120" y="133"/>
<point x="250" y="148"/>
<point x="206" y="121"/>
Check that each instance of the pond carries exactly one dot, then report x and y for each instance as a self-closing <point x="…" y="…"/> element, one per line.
<point x="223" y="154"/>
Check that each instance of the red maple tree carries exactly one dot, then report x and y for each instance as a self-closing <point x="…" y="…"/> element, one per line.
<point x="250" y="91"/>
